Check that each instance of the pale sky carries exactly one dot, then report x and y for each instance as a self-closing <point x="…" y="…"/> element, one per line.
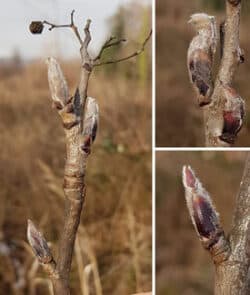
<point x="16" y="15"/>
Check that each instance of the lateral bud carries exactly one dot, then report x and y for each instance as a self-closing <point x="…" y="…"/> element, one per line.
<point x="57" y="83"/>
<point x="204" y="216"/>
<point x="38" y="244"/>
<point x="90" y="124"/>
<point x="233" y="114"/>
<point x="234" y="2"/>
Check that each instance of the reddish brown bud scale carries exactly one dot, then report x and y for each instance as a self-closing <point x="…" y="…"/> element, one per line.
<point x="38" y="243"/>
<point x="86" y="146"/>
<point x="204" y="216"/>
<point x="233" y="114"/>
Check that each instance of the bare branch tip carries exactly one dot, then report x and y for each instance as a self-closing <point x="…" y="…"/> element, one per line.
<point x="88" y="22"/>
<point x="72" y="17"/>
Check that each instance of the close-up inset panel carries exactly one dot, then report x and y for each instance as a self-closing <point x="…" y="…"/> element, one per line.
<point x="202" y="65"/>
<point x="202" y="222"/>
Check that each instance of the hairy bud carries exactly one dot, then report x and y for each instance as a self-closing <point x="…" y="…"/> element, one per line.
<point x="200" y="56"/>
<point x="204" y="216"/>
<point x="36" y="27"/>
<point x="90" y="124"/>
<point x="234" y="2"/>
<point x="57" y="83"/>
<point x="38" y="243"/>
<point x="233" y="114"/>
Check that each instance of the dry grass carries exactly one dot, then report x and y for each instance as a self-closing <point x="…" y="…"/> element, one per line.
<point x="183" y="266"/>
<point x="113" y="253"/>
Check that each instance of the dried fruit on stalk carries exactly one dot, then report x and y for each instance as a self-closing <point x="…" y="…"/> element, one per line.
<point x="201" y="54"/>
<point x="90" y="124"/>
<point x="38" y="243"/>
<point x="203" y="214"/>
<point x="233" y="114"/>
<point x="36" y="27"/>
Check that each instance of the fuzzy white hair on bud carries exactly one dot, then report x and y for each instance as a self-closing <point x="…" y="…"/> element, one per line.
<point x="91" y="118"/>
<point x="200" y="16"/>
<point x="38" y="244"/>
<point x="200" y="56"/>
<point x="90" y="124"/>
<point x="57" y="83"/>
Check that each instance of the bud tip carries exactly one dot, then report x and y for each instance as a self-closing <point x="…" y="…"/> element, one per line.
<point x="189" y="178"/>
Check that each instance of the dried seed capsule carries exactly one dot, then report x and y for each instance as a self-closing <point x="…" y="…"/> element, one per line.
<point x="36" y="27"/>
<point x="38" y="243"/>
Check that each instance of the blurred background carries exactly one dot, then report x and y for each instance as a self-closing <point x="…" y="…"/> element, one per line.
<point x="182" y="265"/>
<point x="113" y="249"/>
<point x="179" y="121"/>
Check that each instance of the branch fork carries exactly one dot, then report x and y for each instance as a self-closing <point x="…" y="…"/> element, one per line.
<point x="36" y="27"/>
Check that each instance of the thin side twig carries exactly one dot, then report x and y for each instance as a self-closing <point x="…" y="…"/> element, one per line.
<point x="71" y="25"/>
<point x="109" y="44"/>
<point x="132" y="55"/>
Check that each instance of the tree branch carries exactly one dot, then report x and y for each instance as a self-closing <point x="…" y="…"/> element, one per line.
<point x="79" y="115"/>
<point x="71" y="25"/>
<point x="136" y="53"/>
<point x="108" y="44"/>
<point x="237" y="270"/>
<point x="80" y="129"/>
<point x="223" y="107"/>
<point x="231" y="57"/>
